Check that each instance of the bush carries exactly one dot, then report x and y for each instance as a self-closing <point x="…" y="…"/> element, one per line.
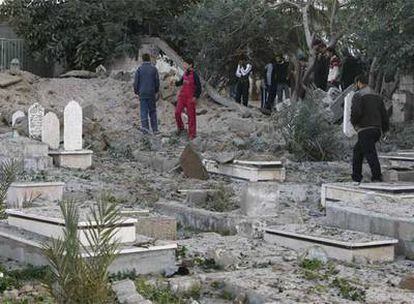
<point x="307" y="134"/>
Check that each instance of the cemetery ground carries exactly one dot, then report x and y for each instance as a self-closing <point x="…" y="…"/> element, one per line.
<point x="221" y="256"/>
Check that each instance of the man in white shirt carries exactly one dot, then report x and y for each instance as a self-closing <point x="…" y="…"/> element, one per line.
<point x="243" y="73"/>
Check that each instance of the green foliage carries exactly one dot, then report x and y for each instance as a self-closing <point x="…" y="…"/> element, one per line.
<point x="216" y="32"/>
<point x="382" y="29"/>
<point x="349" y="291"/>
<point x="221" y="200"/>
<point x="311" y="264"/>
<point x="15" y="278"/>
<point x="8" y="173"/>
<point x="86" y="33"/>
<point x="77" y="279"/>
<point x="307" y="133"/>
<point x="156" y="294"/>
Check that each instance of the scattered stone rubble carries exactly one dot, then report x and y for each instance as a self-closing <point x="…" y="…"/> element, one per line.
<point x="142" y="172"/>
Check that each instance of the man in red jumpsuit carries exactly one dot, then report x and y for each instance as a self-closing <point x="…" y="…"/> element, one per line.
<point x="190" y="92"/>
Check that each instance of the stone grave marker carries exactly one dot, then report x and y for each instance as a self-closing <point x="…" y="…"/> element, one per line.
<point x="192" y="164"/>
<point x="51" y="130"/>
<point x="16" y="116"/>
<point x="35" y="120"/>
<point x="15" y="66"/>
<point x="72" y="127"/>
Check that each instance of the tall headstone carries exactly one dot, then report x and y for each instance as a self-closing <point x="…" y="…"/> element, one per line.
<point x="16" y="116"/>
<point x="72" y="127"/>
<point x="35" y="118"/>
<point x="51" y="130"/>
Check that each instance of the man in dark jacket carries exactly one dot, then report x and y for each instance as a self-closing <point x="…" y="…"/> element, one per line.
<point x="189" y="93"/>
<point x="370" y="119"/>
<point x="282" y="78"/>
<point x="146" y="86"/>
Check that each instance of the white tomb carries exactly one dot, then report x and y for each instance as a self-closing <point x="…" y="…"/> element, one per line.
<point x="73" y="156"/>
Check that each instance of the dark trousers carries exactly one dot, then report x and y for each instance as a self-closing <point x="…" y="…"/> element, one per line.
<point x="365" y="148"/>
<point x="148" y="114"/>
<point x="282" y="88"/>
<point x="242" y="93"/>
<point x="271" y="98"/>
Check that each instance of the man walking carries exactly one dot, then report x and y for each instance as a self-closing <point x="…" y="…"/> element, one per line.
<point x="190" y="92"/>
<point x="243" y="73"/>
<point x="270" y="84"/>
<point x="370" y="119"/>
<point x="146" y="86"/>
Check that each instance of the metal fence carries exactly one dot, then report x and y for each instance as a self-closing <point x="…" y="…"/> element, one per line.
<point x="10" y="49"/>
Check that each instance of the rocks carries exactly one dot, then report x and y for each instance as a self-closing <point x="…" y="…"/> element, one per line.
<point x="79" y="74"/>
<point x="316" y="253"/>
<point x="223" y="258"/>
<point x="407" y="282"/>
<point x="101" y="71"/>
<point x="90" y="111"/>
<point x="126" y="293"/>
<point x="7" y="80"/>
<point x="11" y="294"/>
<point x="184" y="285"/>
<point x="192" y="165"/>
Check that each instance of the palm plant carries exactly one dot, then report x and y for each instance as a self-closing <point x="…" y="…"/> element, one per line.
<point x="79" y="271"/>
<point x="8" y="173"/>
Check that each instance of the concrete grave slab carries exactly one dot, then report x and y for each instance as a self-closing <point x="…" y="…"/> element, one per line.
<point x="339" y="244"/>
<point x="32" y="219"/>
<point x="157" y="227"/>
<point x="390" y="219"/>
<point x="347" y="192"/>
<point x="32" y="155"/>
<point x="18" y="193"/>
<point x="27" y="247"/>
<point x="81" y="159"/>
<point x="248" y="170"/>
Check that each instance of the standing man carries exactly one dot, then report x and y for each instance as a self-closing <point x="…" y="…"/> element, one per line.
<point x="146" y="86"/>
<point x="370" y="119"/>
<point x="243" y="73"/>
<point x="190" y="92"/>
<point x="321" y="67"/>
<point x="270" y="84"/>
<point x="282" y="78"/>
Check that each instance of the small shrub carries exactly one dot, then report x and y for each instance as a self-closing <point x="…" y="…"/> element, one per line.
<point x="348" y="291"/>
<point x="156" y="294"/>
<point x="8" y="174"/>
<point x="220" y="201"/>
<point x="307" y="134"/>
<point x="76" y="279"/>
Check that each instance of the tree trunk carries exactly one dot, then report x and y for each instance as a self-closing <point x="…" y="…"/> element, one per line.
<point x="372" y="72"/>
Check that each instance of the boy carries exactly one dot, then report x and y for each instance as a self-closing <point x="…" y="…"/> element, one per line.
<point x="189" y="93"/>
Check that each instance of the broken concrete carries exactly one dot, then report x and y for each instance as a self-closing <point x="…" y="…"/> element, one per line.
<point x="192" y="165"/>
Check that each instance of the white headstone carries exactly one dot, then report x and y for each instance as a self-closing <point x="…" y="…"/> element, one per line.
<point x="51" y="130"/>
<point x="35" y="117"/>
<point x="72" y="127"/>
<point x="16" y="116"/>
<point x="347" y="127"/>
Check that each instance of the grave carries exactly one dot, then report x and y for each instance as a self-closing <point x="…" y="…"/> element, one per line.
<point x="73" y="156"/>
<point x="385" y="209"/>
<point x="339" y="244"/>
<point x="20" y="193"/>
<point x="35" y="120"/>
<point x="375" y="192"/>
<point x="51" y="130"/>
<point x="31" y="155"/>
<point x="254" y="171"/>
<point x="389" y="219"/>
<point x="400" y="166"/>
<point x="17" y="116"/>
<point x="27" y="247"/>
<point x="402" y="107"/>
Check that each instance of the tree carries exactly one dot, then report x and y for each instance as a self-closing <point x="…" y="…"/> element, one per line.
<point x="86" y="33"/>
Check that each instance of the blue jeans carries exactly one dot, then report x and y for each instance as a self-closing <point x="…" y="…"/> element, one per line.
<point x="148" y="114"/>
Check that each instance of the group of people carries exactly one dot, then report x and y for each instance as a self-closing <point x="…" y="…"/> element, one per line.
<point x="147" y="87"/>
<point x="368" y="114"/>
